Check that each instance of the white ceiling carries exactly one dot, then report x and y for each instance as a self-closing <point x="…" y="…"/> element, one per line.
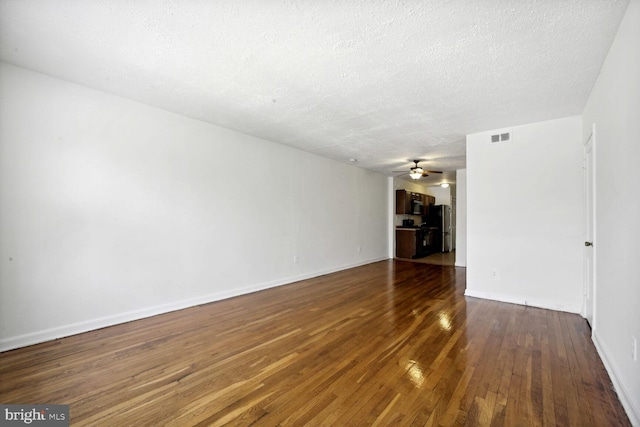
<point x="380" y="81"/>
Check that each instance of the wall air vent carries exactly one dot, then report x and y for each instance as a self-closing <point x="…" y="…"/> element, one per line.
<point x="501" y="137"/>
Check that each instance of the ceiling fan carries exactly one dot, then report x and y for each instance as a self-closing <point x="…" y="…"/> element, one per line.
<point x="417" y="172"/>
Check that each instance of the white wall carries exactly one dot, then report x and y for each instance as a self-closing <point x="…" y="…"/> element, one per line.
<point x="524" y="215"/>
<point x="461" y="218"/>
<point x="614" y="107"/>
<point x="401" y="184"/>
<point x="111" y="210"/>
<point x="442" y="195"/>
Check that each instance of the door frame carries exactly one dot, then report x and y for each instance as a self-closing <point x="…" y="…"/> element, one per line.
<point x="589" y="180"/>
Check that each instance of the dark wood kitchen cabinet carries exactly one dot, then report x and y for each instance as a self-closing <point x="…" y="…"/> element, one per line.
<point x="408" y="242"/>
<point x="403" y="202"/>
<point x="425" y="204"/>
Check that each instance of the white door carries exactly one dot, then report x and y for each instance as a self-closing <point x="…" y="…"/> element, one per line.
<point x="589" y="279"/>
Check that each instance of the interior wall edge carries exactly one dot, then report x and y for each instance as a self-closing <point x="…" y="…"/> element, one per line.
<point x="537" y="303"/>
<point x="38" y="337"/>
<point x="627" y="402"/>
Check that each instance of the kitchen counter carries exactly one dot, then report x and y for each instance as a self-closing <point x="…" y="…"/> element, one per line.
<point x="408" y="242"/>
<point x="415" y="241"/>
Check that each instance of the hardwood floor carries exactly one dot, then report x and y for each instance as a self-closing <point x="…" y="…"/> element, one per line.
<point x="390" y="343"/>
<point x="445" y="258"/>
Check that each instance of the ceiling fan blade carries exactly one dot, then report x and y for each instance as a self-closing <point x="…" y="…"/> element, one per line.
<point x="434" y="171"/>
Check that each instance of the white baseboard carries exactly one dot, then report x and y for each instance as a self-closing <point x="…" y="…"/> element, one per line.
<point x="549" y="305"/>
<point x="627" y="403"/>
<point x="103" y="322"/>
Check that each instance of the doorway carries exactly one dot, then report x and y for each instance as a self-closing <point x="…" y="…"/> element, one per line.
<point x="589" y="220"/>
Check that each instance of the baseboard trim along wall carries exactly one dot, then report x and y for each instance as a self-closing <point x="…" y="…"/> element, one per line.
<point x="103" y="322"/>
<point x="632" y="412"/>
<point x="627" y="403"/>
<point x="548" y="305"/>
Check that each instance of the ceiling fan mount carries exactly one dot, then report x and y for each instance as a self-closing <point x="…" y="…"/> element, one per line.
<point x="416" y="169"/>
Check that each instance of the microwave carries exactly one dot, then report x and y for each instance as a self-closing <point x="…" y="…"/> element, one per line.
<point x="416" y="207"/>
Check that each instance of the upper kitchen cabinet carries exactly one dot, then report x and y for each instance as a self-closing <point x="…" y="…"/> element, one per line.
<point x="425" y="204"/>
<point x="403" y="202"/>
<point x="406" y="203"/>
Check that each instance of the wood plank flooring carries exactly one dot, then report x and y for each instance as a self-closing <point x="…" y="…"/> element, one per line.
<point x="390" y="343"/>
<point x="443" y="258"/>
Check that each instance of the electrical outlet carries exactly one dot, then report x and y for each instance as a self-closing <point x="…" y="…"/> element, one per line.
<point x="359" y="249"/>
<point x="494" y="274"/>
<point x="634" y="349"/>
<point x="295" y="259"/>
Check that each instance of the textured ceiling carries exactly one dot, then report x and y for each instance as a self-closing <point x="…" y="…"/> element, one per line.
<point x="381" y="81"/>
